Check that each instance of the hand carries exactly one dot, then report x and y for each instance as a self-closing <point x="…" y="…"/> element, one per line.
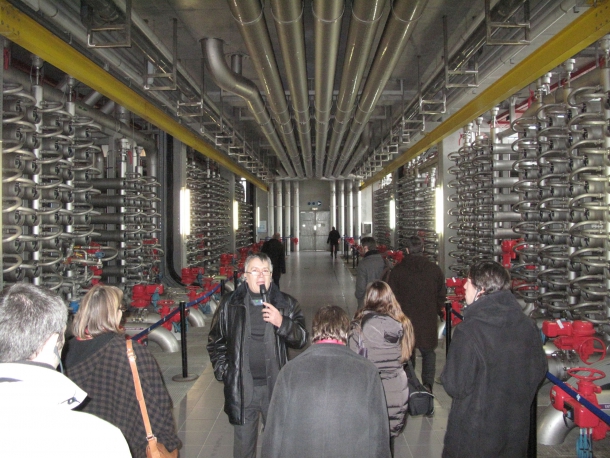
<point x="272" y="315"/>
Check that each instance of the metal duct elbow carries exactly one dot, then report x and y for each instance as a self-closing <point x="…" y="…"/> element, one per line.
<point x="230" y="81"/>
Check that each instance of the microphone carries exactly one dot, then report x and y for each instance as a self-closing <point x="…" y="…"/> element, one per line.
<point x="264" y="293"/>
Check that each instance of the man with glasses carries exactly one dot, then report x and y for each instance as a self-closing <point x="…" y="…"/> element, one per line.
<point x="247" y="344"/>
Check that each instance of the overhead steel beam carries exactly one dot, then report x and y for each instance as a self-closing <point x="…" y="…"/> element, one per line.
<point x="580" y="33"/>
<point x="29" y="34"/>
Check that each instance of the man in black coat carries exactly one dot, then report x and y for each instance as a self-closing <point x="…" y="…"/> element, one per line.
<point x="494" y="367"/>
<point x="333" y="239"/>
<point x="329" y="401"/>
<point x="247" y="344"/>
<point x="275" y="250"/>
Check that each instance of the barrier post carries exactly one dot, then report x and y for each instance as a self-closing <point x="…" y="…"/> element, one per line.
<point x="235" y="279"/>
<point x="185" y="377"/>
<point x="222" y="286"/>
<point x="448" y="318"/>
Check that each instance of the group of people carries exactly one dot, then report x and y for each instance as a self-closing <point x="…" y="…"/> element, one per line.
<point x="344" y="396"/>
<point x="95" y="398"/>
<point x="347" y="394"/>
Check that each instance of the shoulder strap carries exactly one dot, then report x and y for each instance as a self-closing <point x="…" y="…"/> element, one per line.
<point x="150" y="437"/>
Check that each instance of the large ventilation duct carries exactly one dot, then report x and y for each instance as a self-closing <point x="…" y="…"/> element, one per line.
<point x="398" y="29"/>
<point x="288" y="15"/>
<point x="248" y="15"/>
<point x="232" y="82"/>
<point x="363" y="147"/>
<point x="362" y="29"/>
<point x="327" y="26"/>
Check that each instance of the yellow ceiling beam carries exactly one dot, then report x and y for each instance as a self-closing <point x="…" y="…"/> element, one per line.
<point x="27" y="33"/>
<point x="580" y="33"/>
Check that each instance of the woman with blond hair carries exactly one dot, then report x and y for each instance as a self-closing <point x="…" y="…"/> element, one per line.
<point x="96" y="360"/>
<point x="383" y="334"/>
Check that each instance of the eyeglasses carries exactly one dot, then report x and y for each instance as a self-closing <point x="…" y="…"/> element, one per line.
<point x="256" y="272"/>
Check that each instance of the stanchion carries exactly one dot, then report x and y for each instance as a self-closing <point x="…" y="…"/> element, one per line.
<point x="235" y="279"/>
<point x="354" y="258"/>
<point x="222" y="286"/>
<point x="185" y="377"/>
<point x="448" y="317"/>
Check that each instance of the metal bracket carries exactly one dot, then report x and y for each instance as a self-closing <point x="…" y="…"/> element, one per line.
<point x="149" y="78"/>
<point x="494" y="26"/>
<point x="457" y="72"/>
<point x="119" y="28"/>
<point x="189" y="114"/>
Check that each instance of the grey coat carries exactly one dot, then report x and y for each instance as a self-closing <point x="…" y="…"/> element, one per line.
<point x="381" y="335"/>
<point x="327" y="402"/>
<point x="370" y="268"/>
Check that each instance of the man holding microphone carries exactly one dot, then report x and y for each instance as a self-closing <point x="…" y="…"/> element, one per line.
<point x="247" y="344"/>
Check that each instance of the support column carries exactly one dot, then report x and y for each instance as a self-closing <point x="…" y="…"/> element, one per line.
<point x="278" y="206"/>
<point x="356" y="201"/>
<point x="341" y="227"/>
<point x="333" y="204"/>
<point x="287" y="220"/>
<point x="270" y="209"/>
<point x="350" y="208"/>
<point x="297" y="224"/>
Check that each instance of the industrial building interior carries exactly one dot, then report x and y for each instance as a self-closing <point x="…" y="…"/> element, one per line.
<point x="153" y="144"/>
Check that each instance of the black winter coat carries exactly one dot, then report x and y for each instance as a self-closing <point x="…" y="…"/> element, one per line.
<point x="419" y="287"/>
<point x="275" y="250"/>
<point x="229" y="353"/>
<point x="106" y="377"/>
<point x="494" y="367"/>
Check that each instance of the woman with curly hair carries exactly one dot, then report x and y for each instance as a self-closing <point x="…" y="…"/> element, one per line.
<point x="383" y="334"/>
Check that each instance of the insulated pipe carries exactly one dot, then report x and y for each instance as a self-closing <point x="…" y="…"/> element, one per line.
<point x="296" y="214"/>
<point x="229" y="81"/>
<point x="363" y="147"/>
<point x="327" y="27"/>
<point x="362" y="30"/>
<point x="248" y="15"/>
<point x="278" y="205"/>
<point x="270" y="209"/>
<point x="288" y="15"/>
<point x="398" y="29"/>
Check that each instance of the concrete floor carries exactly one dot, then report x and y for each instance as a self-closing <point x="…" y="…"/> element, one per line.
<point x="315" y="280"/>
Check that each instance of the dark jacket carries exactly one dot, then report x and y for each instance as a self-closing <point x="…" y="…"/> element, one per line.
<point x="382" y="335"/>
<point x="328" y="402"/>
<point x="275" y="250"/>
<point x="493" y="369"/>
<point x="370" y="268"/>
<point x="333" y="237"/>
<point x="229" y="352"/>
<point x="419" y="287"/>
<point x="106" y="376"/>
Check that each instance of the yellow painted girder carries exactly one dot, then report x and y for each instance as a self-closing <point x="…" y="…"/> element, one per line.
<point x="580" y="33"/>
<point x="27" y="33"/>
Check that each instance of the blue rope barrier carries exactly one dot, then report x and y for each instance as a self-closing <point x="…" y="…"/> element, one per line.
<point x="603" y="416"/>
<point x="172" y="313"/>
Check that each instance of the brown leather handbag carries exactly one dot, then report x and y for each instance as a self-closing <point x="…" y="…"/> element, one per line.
<point x="154" y="449"/>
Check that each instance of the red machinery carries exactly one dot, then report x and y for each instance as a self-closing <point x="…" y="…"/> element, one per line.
<point x="574" y="410"/>
<point x="395" y="256"/>
<point x="164" y="310"/>
<point x="508" y="251"/>
<point x="577" y="336"/>
<point x="457" y="298"/>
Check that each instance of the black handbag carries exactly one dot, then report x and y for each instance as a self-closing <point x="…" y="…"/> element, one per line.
<point x="421" y="401"/>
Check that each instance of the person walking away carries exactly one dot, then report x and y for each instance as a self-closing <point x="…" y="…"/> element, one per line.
<point x="370" y="268"/>
<point x="328" y="401"/>
<point x="494" y="367"/>
<point x="275" y="250"/>
<point x="419" y="287"/>
<point x="37" y="402"/>
<point x="333" y="239"/>
<point x="97" y="360"/>
<point x="386" y="335"/>
<point x="247" y="344"/>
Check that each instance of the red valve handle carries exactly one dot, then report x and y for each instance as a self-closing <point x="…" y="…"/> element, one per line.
<point x="594" y="374"/>
<point x="587" y="349"/>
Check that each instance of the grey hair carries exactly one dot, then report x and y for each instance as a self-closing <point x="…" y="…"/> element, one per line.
<point x="260" y="256"/>
<point x="29" y="315"/>
<point x="330" y="322"/>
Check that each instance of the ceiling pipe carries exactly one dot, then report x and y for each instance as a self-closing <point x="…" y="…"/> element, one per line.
<point x="398" y="29"/>
<point x="362" y="30"/>
<point x="230" y="81"/>
<point x="248" y="15"/>
<point x="288" y="16"/>
<point x="92" y="98"/>
<point x="327" y="27"/>
<point x="363" y="147"/>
